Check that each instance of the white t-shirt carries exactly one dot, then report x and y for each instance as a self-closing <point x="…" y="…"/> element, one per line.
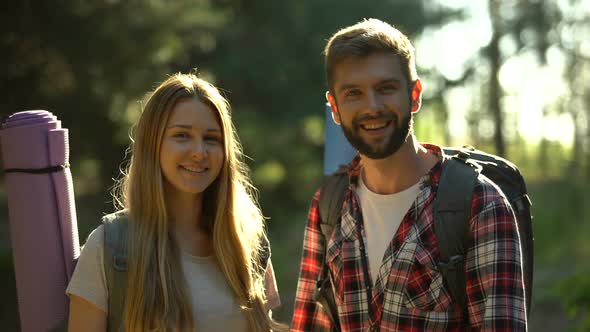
<point x="212" y="301"/>
<point x="382" y="215"/>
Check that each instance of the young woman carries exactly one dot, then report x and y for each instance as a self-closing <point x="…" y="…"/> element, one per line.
<point x="195" y="254"/>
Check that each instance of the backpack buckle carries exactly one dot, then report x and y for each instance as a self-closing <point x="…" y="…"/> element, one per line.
<point x="463" y="155"/>
<point x="453" y="263"/>
<point x="120" y="263"/>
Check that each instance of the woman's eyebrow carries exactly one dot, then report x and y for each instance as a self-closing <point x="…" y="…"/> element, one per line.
<point x="180" y="126"/>
<point x="187" y="126"/>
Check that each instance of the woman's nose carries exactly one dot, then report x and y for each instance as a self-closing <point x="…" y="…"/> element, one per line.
<point x="199" y="150"/>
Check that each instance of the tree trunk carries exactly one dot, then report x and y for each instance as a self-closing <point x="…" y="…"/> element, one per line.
<point x="577" y="152"/>
<point x="544" y="151"/>
<point x="586" y="148"/>
<point x="495" y="92"/>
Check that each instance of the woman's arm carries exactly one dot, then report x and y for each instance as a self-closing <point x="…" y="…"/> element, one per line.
<point x="85" y="316"/>
<point x="87" y="289"/>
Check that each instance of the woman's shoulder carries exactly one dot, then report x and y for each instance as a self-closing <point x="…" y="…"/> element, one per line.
<point x="95" y="239"/>
<point x="112" y="222"/>
<point x="120" y="216"/>
<point x="115" y="233"/>
<point x="88" y="281"/>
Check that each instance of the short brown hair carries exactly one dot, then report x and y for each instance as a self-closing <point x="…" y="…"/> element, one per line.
<point x="365" y="38"/>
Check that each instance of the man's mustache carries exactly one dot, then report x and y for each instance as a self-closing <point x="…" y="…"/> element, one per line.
<point x="381" y="116"/>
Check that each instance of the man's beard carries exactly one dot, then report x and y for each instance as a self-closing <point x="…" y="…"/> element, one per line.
<point x="392" y="143"/>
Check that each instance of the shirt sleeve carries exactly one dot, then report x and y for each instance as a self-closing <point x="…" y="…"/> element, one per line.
<point x="273" y="299"/>
<point x="495" y="287"/>
<point x="88" y="280"/>
<point x="307" y="316"/>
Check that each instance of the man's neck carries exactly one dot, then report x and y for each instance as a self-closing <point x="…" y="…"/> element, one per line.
<point x="399" y="171"/>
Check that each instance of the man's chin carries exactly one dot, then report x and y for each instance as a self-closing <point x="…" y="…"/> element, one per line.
<point x="376" y="153"/>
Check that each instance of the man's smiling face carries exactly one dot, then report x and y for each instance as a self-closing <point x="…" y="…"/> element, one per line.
<point x="373" y="104"/>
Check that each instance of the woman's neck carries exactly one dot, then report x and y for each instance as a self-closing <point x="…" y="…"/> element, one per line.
<point x="185" y="213"/>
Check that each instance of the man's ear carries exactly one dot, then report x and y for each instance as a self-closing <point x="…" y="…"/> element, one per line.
<point x="416" y="100"/>
<point x="332" y="101"/>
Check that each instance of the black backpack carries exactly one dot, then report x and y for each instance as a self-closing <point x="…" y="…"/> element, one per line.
<point x="452" y="210"/>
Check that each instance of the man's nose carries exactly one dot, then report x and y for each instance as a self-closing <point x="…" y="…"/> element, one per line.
<point x="374" y="102"/>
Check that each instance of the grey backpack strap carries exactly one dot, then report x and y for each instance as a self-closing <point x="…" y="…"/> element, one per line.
<point x="332" y="196"/>
<point x="265" y="254"/>
<point x="452" y="211"/>
<point x="331" y="200"/>
<point x="115" y="267"/>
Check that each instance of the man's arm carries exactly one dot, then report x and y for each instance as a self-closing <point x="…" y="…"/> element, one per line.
<point x="307" y="316"/>
<point x="495" y="288"/>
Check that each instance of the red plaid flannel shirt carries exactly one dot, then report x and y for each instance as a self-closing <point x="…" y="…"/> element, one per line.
<point x="410" y="293"/>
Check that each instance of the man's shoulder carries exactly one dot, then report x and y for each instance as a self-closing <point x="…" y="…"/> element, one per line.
<point x="487" y="197"/>
<point x="488" y="188"/>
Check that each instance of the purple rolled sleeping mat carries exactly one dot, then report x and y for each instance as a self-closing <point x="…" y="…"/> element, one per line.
<point x="42" y="216"/>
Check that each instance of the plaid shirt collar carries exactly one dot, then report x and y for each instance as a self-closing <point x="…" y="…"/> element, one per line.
<point x="349" y="228"/>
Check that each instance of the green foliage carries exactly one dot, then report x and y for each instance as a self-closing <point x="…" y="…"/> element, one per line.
<point x="8" y="308"/>
<point x="575" y="292"/>
<point x="561" y="222"/>
<point x="87" y="61"/>
<point x="90" y="62"/>
<point x="556" y="225"/>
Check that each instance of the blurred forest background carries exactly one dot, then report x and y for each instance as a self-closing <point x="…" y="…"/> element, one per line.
<point x="510" y="77"/>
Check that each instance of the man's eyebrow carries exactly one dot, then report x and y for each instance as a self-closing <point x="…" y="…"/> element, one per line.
<point x="347" y="86"/>
<point x="390" y="80"/>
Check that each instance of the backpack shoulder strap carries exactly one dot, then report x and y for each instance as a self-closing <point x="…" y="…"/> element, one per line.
<point x="452" y="211"/>
<point x="265" y="253"/>
<point x="331" y="199"/>
<point x="332" y="195"/>
<point x="115" y="266"/>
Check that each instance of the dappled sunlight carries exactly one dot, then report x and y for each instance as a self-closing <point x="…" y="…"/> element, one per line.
<point x="91" y="63"/>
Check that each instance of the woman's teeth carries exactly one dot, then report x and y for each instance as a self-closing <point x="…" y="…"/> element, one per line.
<point x="194" y="169"/>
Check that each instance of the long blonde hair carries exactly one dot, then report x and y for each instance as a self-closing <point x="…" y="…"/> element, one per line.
<point x="157" y="296"/>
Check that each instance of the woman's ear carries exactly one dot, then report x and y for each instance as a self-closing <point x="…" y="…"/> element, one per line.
<point x="332" y="101"/>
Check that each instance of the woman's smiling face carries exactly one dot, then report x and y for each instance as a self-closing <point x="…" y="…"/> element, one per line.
<point x="192" y="151"/>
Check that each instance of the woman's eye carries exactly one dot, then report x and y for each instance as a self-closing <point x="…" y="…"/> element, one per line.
<point x="181" y="135"/>
<point x="212" y="139"/>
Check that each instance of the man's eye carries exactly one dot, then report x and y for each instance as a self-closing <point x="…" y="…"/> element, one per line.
<point x="352" y="93"/>
<point x="387" y="88"/>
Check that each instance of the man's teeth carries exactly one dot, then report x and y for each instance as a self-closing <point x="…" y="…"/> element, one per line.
<point x="375" y="126"/>
<point x="194" y="170"/>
